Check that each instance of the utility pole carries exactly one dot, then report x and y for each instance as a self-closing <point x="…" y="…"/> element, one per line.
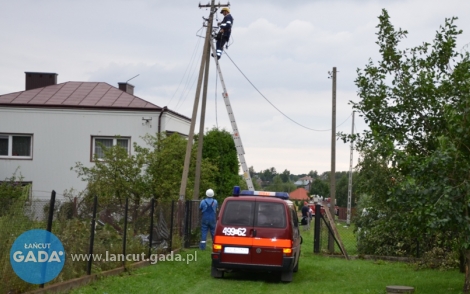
<point x="331" y="243"/>
<point x="348" y="219"/>
<point x="200" y="143"/>
<point x="203" y="71"/>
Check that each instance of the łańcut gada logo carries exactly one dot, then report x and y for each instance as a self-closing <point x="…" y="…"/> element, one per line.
<point x="37" y="256"/>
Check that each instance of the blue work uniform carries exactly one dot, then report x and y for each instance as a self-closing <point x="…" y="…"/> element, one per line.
<point x="223" y="38"/>
<point x="208" y="208"/>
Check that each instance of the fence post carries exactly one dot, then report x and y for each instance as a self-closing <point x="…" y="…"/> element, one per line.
<point x="316" y="232"/>
<point x="152" y="207"/>
<point x="51" y="211"/>
<point x="171" y="223"/>
<point x="187" y="229"/>
<point x="75" y="214"/>
<point x="92" y="236"/>
<point x="124" y="235"/>
<point x="50" y="217"/>
<point x="417" y="248"/>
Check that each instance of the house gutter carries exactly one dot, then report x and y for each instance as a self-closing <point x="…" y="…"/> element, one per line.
<point x="160" y="118"/>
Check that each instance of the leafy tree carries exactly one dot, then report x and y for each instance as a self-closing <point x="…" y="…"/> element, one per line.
<point x="253" y="173"/>
<point x="320" y="188"/>
<point x="279" y="186"/>
<point x="313" y="174"/>
<point x="342" y="191"/>
<point x="294" y="178"/>
<point x="116" y="176"/>
<point x="268" y="174"/>
<point x="219" y="150"/>
<point x="415" y="102"/>
<point x="153" y="171"/>
<point x="285" y="176"/>
<point x="165" y="161"/>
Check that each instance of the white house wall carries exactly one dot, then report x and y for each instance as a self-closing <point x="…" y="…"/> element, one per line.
<point x="174" y="123"/>
<point x="62" y="137"/>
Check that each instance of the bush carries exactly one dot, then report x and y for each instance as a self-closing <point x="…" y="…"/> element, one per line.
<point x="13" y="221"/>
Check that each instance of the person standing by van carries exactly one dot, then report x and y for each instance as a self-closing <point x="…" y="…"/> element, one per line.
<point x="208" y="209"/>
<point x="305" y="220"/>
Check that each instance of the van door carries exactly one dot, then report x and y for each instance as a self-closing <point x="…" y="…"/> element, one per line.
<point x="236" y="231"/>
<point x="272" y="235"/>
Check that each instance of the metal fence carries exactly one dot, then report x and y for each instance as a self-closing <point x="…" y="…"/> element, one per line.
<point x="97" y="234"/>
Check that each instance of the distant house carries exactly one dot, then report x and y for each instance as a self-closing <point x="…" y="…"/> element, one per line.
<point x="305" y="182"/>
<point x="47" y="128"/>
<point x="299" y="194"/>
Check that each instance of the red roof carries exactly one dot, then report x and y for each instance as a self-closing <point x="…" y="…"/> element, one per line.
<point x="299" y="194"/>
<point x="77" y="94"/>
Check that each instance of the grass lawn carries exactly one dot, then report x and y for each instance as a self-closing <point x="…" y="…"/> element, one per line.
<point x="317" y="274"/>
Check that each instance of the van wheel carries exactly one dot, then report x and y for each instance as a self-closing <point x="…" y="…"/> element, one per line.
<point x="287" y="276"/>
<point x="296" y="267"/>
<point x="215" y="273"/>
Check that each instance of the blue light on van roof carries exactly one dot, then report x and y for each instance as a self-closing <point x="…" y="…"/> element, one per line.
<point x="236" y="191"/>
<point x="282" y="195"/>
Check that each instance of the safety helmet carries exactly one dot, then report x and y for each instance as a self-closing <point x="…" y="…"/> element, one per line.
<point x="210" y="193"/>
<point x="225" y="9"/>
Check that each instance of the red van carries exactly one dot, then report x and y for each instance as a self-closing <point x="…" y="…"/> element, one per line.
<point x="257" y="230"/>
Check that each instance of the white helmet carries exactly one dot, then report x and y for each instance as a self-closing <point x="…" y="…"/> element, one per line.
<point x="210" y="193"/>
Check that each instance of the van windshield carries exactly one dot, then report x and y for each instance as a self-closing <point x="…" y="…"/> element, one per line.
<point x="270" y="215"/>
<point x="239" y="213"/>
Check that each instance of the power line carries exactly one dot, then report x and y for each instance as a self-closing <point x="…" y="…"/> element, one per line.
<point x="316" y="130"/>
<point x="190" y="65"/>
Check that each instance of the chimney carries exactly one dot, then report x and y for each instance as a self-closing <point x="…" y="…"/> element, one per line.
<point x="126" y="87"/>
<point x="39" y="79"/>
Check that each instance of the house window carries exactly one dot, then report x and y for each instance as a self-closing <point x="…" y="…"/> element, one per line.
<point x="99" y="143"/>
<point x="16" y="146"/>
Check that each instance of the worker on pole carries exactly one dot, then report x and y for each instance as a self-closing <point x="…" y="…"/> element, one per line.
<point x="224" y="32"/>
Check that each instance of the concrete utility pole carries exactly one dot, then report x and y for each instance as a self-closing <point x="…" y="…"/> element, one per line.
<point x="331" y="243"/>
<point x="348" y="219"/>
<point x="204" y="70"/>
<point x="197" y="180"/>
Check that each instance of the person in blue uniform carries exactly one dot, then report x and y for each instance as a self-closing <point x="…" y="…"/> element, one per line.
<point x="224" y="32"/>
<point x="208" y="209"/>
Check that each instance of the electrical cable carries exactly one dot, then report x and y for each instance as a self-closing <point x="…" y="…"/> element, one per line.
<point x="316" y="130"/>
<point x="186" y="70"/>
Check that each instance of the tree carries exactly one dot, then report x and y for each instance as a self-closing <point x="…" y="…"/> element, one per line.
<point x="153" y="171"/>
<point x="320" y="188"/>
<point x="285" y="176"/>
<point x="116" y="176"/>
<point x="415" y="102"/>
<point x="268" y="174"/>
<point x="279" y="186"/>
<point x="342" y="191"/>
<point x="219" y="149"/>
<point x="165" y="161"/>
<point x="313" y="174"/>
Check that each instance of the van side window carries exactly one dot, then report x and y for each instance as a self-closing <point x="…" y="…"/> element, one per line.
<point x="239" y="213"/>
<point x="270" y="215"/>
<point x="295" y="218"/>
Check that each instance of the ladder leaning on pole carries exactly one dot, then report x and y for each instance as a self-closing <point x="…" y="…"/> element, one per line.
<point x="236" y="133"/>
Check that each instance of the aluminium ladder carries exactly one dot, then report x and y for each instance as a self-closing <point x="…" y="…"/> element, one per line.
<point x="236" y="133"/>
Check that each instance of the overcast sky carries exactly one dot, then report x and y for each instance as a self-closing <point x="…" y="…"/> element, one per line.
<point x="284" y="48"/>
